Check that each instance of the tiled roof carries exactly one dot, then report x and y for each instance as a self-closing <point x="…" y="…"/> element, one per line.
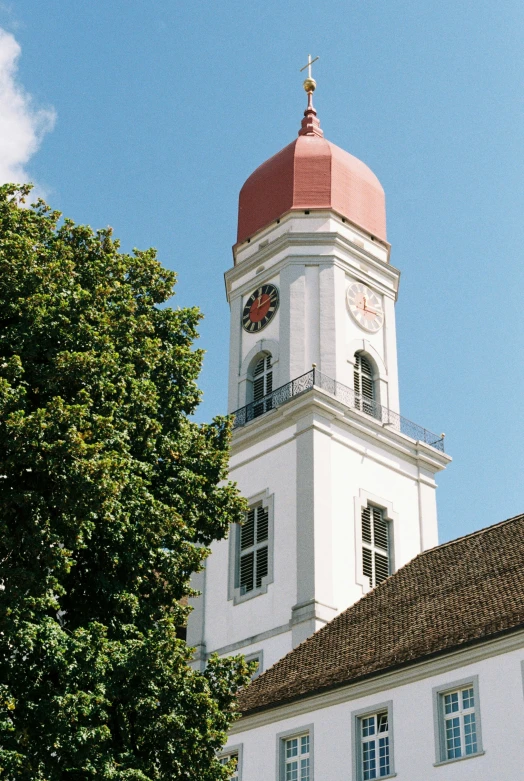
<point x="311" y="173"/>
<point x="458" y="593"/>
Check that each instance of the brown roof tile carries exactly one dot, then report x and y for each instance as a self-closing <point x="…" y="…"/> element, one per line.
<point x="460" y="592"/>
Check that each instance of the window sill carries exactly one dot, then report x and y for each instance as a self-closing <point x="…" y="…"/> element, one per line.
<point x="238" y="598"/>
<point x="458" y="759"/>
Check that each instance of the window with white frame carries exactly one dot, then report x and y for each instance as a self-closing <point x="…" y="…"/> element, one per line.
<point x="458" y="721"/>
<point x="364" y="384"/>
<point x="262" y="386"/>
<point x="296" y="758"/>
<point x="225" y="759"/>
<point x="376" y="546"/>
<point x="373" y="745"/>
<point x="251" y="551"/>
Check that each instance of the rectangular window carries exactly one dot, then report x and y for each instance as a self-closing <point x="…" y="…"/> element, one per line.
<point x="375" y="544"/>
<point x="457" y="721"/>
<point x="233" y="755"/>
<point x="225" y="760"/>
<point x="254" y="553"/>
<point x="372" y="743"/>
<point x="374" y="748"/>
<point x="251" y="551"/>
<point x="296" y="758"/>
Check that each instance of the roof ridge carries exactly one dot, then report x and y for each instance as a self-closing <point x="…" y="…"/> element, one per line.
<point x="476" y="533"/>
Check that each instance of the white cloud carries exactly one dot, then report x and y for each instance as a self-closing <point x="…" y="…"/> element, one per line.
<point x="22" y="126"/>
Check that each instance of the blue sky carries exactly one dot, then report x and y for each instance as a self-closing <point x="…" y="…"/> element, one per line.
<point x="148" y="116"/>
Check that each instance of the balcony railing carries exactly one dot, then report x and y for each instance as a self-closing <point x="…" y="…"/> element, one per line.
<point x="346" y="395"/>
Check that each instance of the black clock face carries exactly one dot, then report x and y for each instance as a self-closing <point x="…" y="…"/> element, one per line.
<point x="260" y="308"/>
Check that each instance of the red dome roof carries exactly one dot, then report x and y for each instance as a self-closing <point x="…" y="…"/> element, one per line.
<point x="311" y="173"/>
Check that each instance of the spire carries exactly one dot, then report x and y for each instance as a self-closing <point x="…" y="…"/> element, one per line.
<point x="310" y="123"/>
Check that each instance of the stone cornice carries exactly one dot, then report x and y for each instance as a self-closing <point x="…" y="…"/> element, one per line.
<point x="263" y="232"/>
<point x="333" y="240"/>
<point x="330" y="408"/>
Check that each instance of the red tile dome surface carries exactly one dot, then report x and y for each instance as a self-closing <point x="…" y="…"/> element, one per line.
<point x="311" y="173"/>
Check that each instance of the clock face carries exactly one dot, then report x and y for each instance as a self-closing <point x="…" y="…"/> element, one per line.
<point x="260" y="308"/>
<point x="365" y="306"/>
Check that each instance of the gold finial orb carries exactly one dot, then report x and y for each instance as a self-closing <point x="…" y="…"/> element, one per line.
<point x="310" y="84"/>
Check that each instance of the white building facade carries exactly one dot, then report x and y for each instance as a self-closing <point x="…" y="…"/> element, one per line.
<point x="414" y="700"/>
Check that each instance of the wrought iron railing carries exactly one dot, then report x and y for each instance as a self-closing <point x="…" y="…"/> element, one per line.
<point x="346" y="395"/>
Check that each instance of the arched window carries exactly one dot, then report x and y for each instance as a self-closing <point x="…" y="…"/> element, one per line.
<point x="262" y="385"/>
<point x="364" y="385"/>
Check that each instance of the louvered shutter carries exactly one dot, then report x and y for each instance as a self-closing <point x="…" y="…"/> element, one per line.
<point x="356" y="380"/>
<point x="367" y="563"/>
<point x="363" y="384"/>
<point x="262" y="524"/>
<point x="253" y="564"/>
<point x="262" y="561"/>
<point x="247" y="560"/>
<point x="381" y="567"/>
<point x="366" y="524"/>
<point x="381" y="540"/>
<point x="259" y="368"/>
<point x="262" y="565"/>
<point x="247" y="531"/>
<point x="375" y="545"/>
<point x="258" y="388"/>
<point x="269" y="384"/>
<point x="262" y="386"/>
<point x="380" y="529"/>
<point x="247" y="570"/>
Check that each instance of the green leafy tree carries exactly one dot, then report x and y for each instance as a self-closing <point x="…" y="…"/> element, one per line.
<point x="109" y="495"/>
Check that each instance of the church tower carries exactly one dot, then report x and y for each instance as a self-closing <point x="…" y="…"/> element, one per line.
<point x="341" y="487"/>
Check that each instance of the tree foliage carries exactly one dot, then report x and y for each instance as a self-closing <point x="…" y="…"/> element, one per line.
<point x="109" y="495"/>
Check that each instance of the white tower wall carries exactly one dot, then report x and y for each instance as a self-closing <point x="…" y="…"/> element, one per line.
<point x="315" y="460"/>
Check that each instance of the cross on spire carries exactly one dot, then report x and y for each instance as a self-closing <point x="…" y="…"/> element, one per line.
<point x="309" y="83"/>
<point x="310" y="124"/>
<point x="308" y="66"/>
